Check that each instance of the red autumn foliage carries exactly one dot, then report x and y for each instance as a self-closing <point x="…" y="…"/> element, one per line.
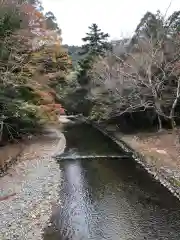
<point x="57" y="107"/>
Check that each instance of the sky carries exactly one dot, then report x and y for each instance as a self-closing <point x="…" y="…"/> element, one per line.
<point x="119" y="18"/>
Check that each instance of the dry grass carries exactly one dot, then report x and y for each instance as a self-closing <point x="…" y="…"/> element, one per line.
<point x="163" y="147"/>
<point x="9" y="153"/>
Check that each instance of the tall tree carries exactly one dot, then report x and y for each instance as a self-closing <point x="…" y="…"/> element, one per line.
<point x="96" y="44"/>
<point x="156" y="27"/>
<point x="51" y="22"/>
<point x="96" y="41"/>
<point x="150" y="26"/>
<point x="172" y="24"/>
<point x="145" y="80"/>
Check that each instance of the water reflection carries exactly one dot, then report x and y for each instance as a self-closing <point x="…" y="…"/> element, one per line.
<point x="111" y="199"/>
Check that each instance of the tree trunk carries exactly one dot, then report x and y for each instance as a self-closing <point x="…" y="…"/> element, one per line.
<point x="173" y="123"/>
<point x="1" y="130"/>
<point x="171" y="116"/>
<point x="159" y="123"/>
<point x="158" y="111"/>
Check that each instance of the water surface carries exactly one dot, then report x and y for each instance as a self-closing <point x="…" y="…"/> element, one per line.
<point x="108" y="198"/>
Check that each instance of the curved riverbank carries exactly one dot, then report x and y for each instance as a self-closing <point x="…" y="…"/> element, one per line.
<point x="30" y="189"/>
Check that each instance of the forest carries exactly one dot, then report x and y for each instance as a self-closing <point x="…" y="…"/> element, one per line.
<point x="132" y="82"/>
<point x="32" y="63"/>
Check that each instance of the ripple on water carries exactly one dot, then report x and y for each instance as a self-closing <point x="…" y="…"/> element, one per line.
<point x="110" y="199"/>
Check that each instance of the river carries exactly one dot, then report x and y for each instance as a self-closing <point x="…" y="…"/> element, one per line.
<point x="109" y="198"/>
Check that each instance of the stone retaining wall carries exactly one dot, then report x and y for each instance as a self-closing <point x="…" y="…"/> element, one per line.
<point x="163" y="177"/>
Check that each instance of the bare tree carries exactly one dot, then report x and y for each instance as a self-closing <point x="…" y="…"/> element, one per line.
<point x="141" y="80"/>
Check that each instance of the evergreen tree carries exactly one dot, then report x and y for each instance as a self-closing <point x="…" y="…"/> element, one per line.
<point x="95" y="42"/>
<point x="95" y="45"/>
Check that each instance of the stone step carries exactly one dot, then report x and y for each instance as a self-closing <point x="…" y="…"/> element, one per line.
<point x="74" y="157"/>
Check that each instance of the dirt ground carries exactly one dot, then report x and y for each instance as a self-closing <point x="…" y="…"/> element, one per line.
<point x="160" y="152"/>
<point x="164" y="146"/>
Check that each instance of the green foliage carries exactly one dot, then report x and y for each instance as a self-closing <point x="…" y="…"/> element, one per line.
<point x="73" y="52"/>
<point x="14" y="119"/>
<point x="152" y="92"/>
<point x="173" y="23"/>
<point x="84" y="66"/>
<point x="23" y="87"/>
<point x="9" y="21"/>
<point x="155" y="27"/>
<point x="15" y="115"/>
<point x="95" y="43"/>
<point x="74" y="92"/>
<point x="51" y="22"/>
<point x="149" y="61"/>
<point x="150" y="26"/>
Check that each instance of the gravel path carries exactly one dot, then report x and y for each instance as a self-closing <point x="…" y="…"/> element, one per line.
<point x="29" y="191"/>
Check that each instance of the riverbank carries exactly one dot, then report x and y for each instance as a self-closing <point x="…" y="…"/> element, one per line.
<point x="30" y="189"/>
<point x="158" y="153"/>
<point x="109" y="199"/>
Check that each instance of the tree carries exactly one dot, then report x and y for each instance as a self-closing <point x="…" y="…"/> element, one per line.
<point x="73" y="52"/>
<point x="156" y="27"/>
<point x="51" y="22"/>
<point x="145" y="80"/>
<point x="150" y="26"/>
<point x="31" y="59"/>
<point x="172" y="25"/>
<point x="96" y="43"/>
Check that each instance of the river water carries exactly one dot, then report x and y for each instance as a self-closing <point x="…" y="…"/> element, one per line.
<point x="108" y="198"/>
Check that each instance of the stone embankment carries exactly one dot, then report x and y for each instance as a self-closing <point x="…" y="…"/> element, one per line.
<point x="158" y="153"/>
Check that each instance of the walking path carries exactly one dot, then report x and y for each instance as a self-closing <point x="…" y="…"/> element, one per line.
<point x="30" y="190"/>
